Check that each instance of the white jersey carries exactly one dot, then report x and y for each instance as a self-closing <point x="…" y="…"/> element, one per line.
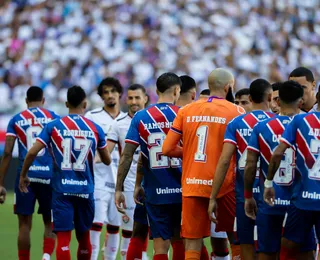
<point x="105" y="177"/>
<point x="117" y="133"/>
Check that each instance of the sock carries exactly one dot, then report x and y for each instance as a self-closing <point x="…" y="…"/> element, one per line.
<point x="204" y="253"/>
<point x="48" y="245"/>
<point x="63" y="249"/>
<point x="111" y="249"/>
<point x="177" y="250"/>
<point x="125" y="240"/>
<point x="95" y="239"/>
<point x="144" y="256"/>
<point x="84" y="247"/>
<point x="235" y="251"/>
<point x="46" y="256"/>
<point x="135" y="249"/>
<point x="24" y="254"/>
<point x="192" y="255"/>
<point x="160" y="257"/>
<point x="287" y="254"/>
<point x="213" y="257"/>
<point x="145" y="244"/>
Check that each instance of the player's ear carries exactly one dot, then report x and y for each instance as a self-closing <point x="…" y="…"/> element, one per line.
<point x="146" y="99"/>
<point x="193" y="97"/>
<point x="84" y="105"/>
<point x="26" y="101"/>
<point x="43" y="100"/>
<point x="278" y="102"/>
<point x="314" y="86"/>
<point x="270" y="97"/>
<point x="67" y="104"/>
<point x="250" y="99"/>
<point x="300" y="102"/>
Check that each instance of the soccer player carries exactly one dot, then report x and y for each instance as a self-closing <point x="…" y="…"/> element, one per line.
<point x="275" y="107"/>
<point x="73" y="140"/>
<point x="188" y="91"/>
<point x="301" y="135"/>
<point x="136" y="100"/>
<point x="264" y="139"/>
<point x="306" y="79"/>
<point x="242" y="98"/>
<point x="25" y="127"/>
<point x="204" y="93"/>
<point x="110" y="91"/>
<point x="162" y="175"/>
<point x="235" y="141"/>
<point x="201" y="126"/>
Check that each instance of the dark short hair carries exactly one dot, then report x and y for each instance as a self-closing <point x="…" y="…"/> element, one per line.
<point x="136" y="87"/>
<point x="34" y="94"/>
<point x="166" y="81"/>
<point x="302" y="72"/>
<point x="290" y="91"/>
<point x="258" y="89"/>
<point x="187" y="84"/>
<point x="110" y="81"/>
<point x="75" y="96"/>
<point x="205" y="92"/>
<point x="276" y="86"/>
<point x="242" y="92"/>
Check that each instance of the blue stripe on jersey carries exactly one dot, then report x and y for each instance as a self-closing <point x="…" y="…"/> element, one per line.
<point x="74" y="140"/>
<point x="162" y="179"/>
<point x="264" y="140"/>
<point x="26" y="126"/>
<point x="238" y="133"/>
<point x="303" y="133"/>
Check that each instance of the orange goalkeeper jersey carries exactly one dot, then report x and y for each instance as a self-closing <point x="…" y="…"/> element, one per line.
<point x="202" y="125"/>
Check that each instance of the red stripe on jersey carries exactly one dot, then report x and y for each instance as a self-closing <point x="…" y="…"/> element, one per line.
<point x="251" y="120"/>
<point x="21" y="135"/>
<point x="175" y="108"/>
<point x="92" y="128"/>
<point x="144" y="133"/>
<point x="159" y="117"/>
<point x="265" y="149"/>
<point x="28" y="115"/>
<point x="303" y="147"/>
<point x="57" y="139"/>
<point x="269" y="114"/>
<point x="45" y="112"/>
<point x="241" y="143"/>
<point x="276" y="127"/>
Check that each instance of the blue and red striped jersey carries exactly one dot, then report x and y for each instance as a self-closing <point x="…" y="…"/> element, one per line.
<point x="238" y="133"/>
<point x="264" y="140"/>
<point x="74" y="140"/>
<point x="26" y="126"/>
<point x="303" y="134"/>
<point x="162" y="175"/>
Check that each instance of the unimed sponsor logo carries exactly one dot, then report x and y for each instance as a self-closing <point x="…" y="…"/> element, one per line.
<point x="199" y="181"/>
<point x="310" y="195"/>
<point x="74" y="182"/>
<point x="168" y="190"/>
<point x="281" y="202"/>
<point x="37" y="168"/>
<point x="38" y="180"/>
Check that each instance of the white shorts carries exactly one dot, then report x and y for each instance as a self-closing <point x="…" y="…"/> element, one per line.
<point x="105" y="208"/>
<point x="127" y="219"/>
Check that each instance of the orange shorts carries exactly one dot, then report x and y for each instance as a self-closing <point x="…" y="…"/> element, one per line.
<point x="195" y="220"/>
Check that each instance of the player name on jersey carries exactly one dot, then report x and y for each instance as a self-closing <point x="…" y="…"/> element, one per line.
<point x="206" y="119"/>
<point x="31" y="121"/>
<point x="157" y="125"/>
<point x="76" y="133"/>
<point x="314" y="132"/>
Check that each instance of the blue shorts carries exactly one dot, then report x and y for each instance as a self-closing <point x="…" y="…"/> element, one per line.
<point x="164" y="219"/>
<point x="25" y="202"/>
<point x="140" y="214"/>
<point x="299" y="227"/>
<point x="245" y="226"/>
<point x="72" y="212"/>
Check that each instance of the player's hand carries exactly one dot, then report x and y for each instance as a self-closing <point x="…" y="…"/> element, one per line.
<point x="3" y="193"/>
<point x="138" y="195"/>
<point x="250" y="207"/>
<point x="23" y="184"/>
<point x="120" y="202"/>
<point x="269" y="196"/>
<point x="212" y="210"/>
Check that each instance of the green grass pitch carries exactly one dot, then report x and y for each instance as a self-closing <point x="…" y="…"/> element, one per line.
<point x="9" y="231"/>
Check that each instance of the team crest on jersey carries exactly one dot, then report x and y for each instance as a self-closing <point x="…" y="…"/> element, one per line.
<point x="125" y="219"/>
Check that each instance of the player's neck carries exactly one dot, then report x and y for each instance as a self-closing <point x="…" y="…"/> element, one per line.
<point x="34" y="104"/>
<point x="112" y="111"/>
<point x="262" y="106"/>
<point x="166" y="99"/>
<point x="182" y="101"/>
<point x="76" y="111"/>
<point x="289" y="111"/>
<point x="219" y="94"/>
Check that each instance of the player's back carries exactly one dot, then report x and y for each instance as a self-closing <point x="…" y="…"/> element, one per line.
<point x="264" y="140"/>
<point x="304" y="133"/>
<point x="74" y="141"/>
<point x="162" y="175"/>
<point x="203" y="128"/>
<point x="239" y="133"/>
<point x="26" y="126"/>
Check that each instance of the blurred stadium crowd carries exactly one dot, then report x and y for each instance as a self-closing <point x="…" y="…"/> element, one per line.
<point x="57" y="43"/>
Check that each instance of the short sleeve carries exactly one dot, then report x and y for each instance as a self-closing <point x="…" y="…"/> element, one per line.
<point x="113" y="133"/>
<point x="45" y="136"/>
<point x="253" y="144"/>
<point x="230" y="134"/>
<point x="10" y="129"/>
<point x="101" y="138"/>
<point x="289" y="135"/>
<point x="177" y="125"/>
<point x="133" y="136"/>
